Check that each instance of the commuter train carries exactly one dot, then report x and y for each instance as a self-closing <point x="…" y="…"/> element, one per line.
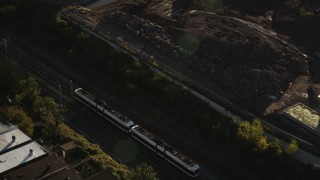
<point x="102" y="108"/>
<point x="164" y="150"/>
<point x="137" y="132"/>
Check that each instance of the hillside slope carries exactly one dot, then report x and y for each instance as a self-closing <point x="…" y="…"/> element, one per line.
<point x="244" y="57"/>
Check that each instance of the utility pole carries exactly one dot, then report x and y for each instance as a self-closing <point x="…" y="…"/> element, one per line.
<point x="71" y="89"/>
<point x="60" y="94"/>
<point x="5" y="44"/>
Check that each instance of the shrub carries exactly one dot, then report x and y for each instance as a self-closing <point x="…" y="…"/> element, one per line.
<point x="16" y="115"/>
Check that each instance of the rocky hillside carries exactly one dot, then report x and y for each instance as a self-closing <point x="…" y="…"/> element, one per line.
<point x="145" y="29"/>
<point x="218" y="40"/>
<point x="244" y="58"/>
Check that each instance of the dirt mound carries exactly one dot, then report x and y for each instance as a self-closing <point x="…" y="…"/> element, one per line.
<point x="145" y="29"/>
<point x="244" y="60"/>
<point x="248" y="61"/>
<point x="301" y="22"/>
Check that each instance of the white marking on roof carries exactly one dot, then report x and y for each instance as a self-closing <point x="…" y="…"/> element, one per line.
<point x="6" y="141"/>
<point x="20" y="156"/>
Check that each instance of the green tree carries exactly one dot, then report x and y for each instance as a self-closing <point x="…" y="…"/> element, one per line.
<point x="9" y="81"/>
<point x="256" y="129"/>
<point x="143" y="172"/>
<point x="16" y="115"/>
<point x="45" y="109"/>
<point x="250" y="131"/>
<point x="262" y="144"/>
<point x="292" y="147"/>
<point x="275" y="148"/>
<point x="28" y="91"/>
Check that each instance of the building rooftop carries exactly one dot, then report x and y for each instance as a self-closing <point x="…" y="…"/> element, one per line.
<point x="103" y="175"/>
<point x="11" y="139"/>
<point x="20" y="155"/>
<point x="305" y="115"/>
<point x="50" y="167"/>
<point x="68" y="146"/>
<point x="20" y="158"/>
<point x="4" y="126"/>
<point x="65" y="174"/>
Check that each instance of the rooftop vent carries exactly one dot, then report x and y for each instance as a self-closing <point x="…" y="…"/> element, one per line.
<point x="13" y="138"/>
<point x="30" y="152"/>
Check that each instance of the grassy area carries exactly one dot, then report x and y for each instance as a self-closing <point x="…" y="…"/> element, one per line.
<point x="86" y="170"/>
<point x="100" y="159"/>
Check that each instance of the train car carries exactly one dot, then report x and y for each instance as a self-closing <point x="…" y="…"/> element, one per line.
<point x="164" y="150"/>
<point x="104" y="110"/>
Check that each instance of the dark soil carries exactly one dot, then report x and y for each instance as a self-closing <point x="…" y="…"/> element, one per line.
<point x="235" y="48"/>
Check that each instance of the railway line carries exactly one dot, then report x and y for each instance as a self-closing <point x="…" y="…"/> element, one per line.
<point x="213" y="166"/>
<point x="149" y="140"/>
<point x="50" y="86"/>
<point x="51" y="89"/>
<point x="65" y="84"/>
<point x="216" y="102"/>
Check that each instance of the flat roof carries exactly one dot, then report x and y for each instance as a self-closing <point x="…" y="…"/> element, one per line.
<point x="65" y="174"/>
<point x="304" y="114"/>
<point x="50" y="167"/>
<point x="103" y="175"/>
<point x="6" y="141"/>
<point x="20" y="155"/>
<point x="3" y="126"/>
<point x="68" y="146"/>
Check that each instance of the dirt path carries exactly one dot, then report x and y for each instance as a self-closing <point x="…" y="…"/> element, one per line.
<point x="99" y="3"/>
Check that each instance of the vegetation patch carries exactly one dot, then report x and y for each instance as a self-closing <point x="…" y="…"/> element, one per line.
<point x="86" y="170"/>
<point x="29" y="106"/>
<point x="100" y="159"/>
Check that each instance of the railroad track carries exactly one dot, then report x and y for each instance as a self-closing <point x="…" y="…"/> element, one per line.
<point x="204" y="93"/>
<point x="50" y="86"/>
<point x="54" y="84"/>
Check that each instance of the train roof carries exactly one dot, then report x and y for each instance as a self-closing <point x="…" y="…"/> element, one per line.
<point x="167" y="147"/>
<point x="121" y="117"/>
<point x="149" y="135"/>
<point x="105" y="105"/>
<point x="179" y="155"/>
<point x="115" y="113"/>
<point x="86" y="93"/>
